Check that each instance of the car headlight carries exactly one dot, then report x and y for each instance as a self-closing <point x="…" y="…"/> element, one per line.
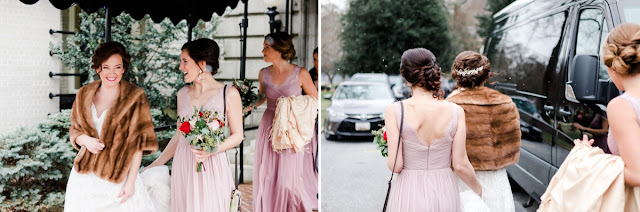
<point x="335" y="114"/>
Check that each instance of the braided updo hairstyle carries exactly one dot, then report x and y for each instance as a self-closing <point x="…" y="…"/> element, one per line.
<point x="470" y="60"/>
<point x="418" y="66"/>
<point x="621" y="49"/>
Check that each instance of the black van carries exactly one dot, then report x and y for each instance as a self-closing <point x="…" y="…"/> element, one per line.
<point x="547" y="54"/>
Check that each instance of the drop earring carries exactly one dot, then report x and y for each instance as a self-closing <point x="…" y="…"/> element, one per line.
<point x="200" y="75"/>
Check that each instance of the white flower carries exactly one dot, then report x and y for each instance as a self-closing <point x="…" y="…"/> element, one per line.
<point x="192" y="123"/>
<point x="464" y="72"/>
<point x="214" y="125"/>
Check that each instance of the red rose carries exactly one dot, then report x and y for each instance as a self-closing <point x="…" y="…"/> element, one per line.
<point x="185" y="127"/>
<point x="384" y="136"/>
<point x="221" y="123"/>
<point x="201" y="114"/>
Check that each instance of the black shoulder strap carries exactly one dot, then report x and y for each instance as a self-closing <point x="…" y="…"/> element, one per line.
<point x="386" y="200"/>
<point x="224" y="100"/>
<point x="224" y="110"/>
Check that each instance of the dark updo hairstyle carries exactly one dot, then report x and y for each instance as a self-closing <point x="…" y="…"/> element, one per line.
<point x="204" y="49"/>
<point x="283" y="43"/>
<point x="106" y="50"/>
<point x="418" y="66"/>
<point x="470" y="60"/>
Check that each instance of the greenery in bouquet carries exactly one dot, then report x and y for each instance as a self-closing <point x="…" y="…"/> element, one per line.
<point x="249" y="94"/>
<point x="380" y="138"/>
<point x="204" y="130"/>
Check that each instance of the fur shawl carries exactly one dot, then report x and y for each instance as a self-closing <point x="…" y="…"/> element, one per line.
<point x="127" y="129"/>
<point x="493" y="127"/>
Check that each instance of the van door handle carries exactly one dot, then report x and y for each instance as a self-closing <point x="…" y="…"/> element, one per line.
<point x="564" y="112"/>
<point x="548" y="107"/>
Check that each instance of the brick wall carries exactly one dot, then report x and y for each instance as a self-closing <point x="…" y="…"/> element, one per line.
<point x="25" y="63"/>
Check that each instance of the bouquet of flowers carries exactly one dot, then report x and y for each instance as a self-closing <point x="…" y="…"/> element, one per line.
<point x="204" y="131"/>
<point x="380" y="138"/>
<point x="248" y="93"/>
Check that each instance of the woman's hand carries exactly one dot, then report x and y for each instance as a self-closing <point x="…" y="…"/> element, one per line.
<point x="250" y="108"/>
<point x="577" y="126"/>
<point x="93" y="144"/>
<point x="201" y="155"/>
<point x="478" y="191"/>
<point x="128" y="190"/>
<point x="585" y="140"/>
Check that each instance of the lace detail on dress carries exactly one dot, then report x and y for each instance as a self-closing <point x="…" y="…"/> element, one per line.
<point x="289" y="87"/>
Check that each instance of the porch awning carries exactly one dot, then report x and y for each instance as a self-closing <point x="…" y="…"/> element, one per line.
<point x="158" y="10"/>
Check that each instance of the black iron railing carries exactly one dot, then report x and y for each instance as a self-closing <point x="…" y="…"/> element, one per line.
<point x="51" y="74"/>
<point x="51" y="32"/>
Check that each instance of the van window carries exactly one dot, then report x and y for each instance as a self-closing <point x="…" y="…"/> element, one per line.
<point x="592" y="31"/>
<point x="589" y="29"/>
<point x="631" y="10"/>
<point x="603" y="74"/>
<point x="528" y="52"/>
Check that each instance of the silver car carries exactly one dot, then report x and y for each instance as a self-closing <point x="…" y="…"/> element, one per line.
<point x="356" y="109"/>
<point x="399" y="87"/>
<point x="371" y="77"/>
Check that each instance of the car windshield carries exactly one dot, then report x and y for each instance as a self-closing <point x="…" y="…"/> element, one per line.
<point x="396" y="80"/>
<point x="362" y="92"/>
<point x="631" y="10"/>
<point x="368" y="78"/>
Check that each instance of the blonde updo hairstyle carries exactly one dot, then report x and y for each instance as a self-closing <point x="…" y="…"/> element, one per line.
<point x="621" y="49"/>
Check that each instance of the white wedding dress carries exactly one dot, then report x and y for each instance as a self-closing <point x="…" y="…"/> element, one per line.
<point x="88" y="192"/>
<point x="496" y="193"/>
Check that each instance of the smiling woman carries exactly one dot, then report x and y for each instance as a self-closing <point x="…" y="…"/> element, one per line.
<point x="111" y="132"/>
<point x="110" y="60"/>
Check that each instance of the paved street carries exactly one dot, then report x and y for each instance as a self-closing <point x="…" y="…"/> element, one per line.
<point x="354" y="177"/>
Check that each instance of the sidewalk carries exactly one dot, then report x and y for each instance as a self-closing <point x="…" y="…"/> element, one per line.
<point x="247" y="196"/>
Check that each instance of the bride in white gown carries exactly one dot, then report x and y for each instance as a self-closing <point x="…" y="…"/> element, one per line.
<point x="493" y="129"/>
<point x="88" y="192"/>
<point x="111" y="127"/>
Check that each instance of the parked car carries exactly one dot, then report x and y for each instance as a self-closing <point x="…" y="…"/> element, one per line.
<point x="399" y="87"/>
<point x="548" y="55"/>
<point x="529" y="131"/>
<point x="447" y="85"/>
<point x="372" y="77"/>
<point x="356" y="109"/>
